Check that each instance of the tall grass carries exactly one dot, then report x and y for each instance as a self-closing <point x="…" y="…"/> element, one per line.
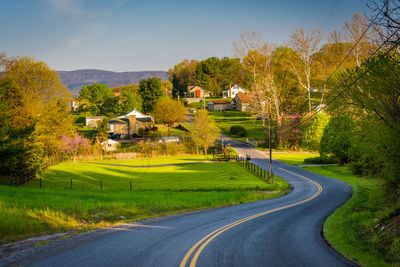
<point x="30" y="210"/>
<point x="33" y="211"/>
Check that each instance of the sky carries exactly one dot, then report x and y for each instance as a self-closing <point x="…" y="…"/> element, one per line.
<point x="130" y="35"/>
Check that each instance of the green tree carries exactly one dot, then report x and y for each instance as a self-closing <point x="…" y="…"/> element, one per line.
<point x="183" y="75"/>
<point x="337" y="138"/>
<point x="37" y="102"/>
<point x="130" y="99"/>
<point x="169" y="111"/>
<point x="101" y="134"/>
<point x="150" y="91"/>
<point x="313" y="131"/>
<point x="373" y="95"/>
<point x="204" y="132"/>
<point x="93" y="97"/>
<point x="209" y="75"/>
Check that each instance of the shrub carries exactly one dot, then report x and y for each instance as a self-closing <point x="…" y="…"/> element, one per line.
<point x="239" y="130"/>
<point x="242" y="133"/>
<point x="236" y="128"/>
<point x="336" y="138"/>
<point x="320" y="160"/>
<point x="313" y="131"/>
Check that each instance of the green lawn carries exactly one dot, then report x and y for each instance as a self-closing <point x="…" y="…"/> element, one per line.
<point x="226" y="119"/>
<point x="293" y="158"/>
<point x="351" y="229"/>
<point x="210" y="176"/>
<point x="29" y="210"/>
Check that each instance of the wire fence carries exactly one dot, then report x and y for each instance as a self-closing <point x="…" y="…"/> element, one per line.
<point x="246" y="163"/>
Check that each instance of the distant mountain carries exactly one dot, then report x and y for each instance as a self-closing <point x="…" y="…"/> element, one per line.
<point x="78" y="78"/>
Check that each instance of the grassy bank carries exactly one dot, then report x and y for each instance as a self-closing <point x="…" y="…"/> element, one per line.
<point x="29" y="210"/>
<point x="359" y="229"/>
<point x="364" y="229"/>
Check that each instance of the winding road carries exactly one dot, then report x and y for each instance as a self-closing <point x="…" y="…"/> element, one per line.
<point x="279" y="232"/>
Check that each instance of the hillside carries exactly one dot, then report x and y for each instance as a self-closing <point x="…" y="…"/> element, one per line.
<point x="78" y="78"/>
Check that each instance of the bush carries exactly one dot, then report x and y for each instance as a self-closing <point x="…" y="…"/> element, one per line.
<point x="313" y="131"/>
<point x="320" y="160"/>
<point x="81" y="119"/>
<point x="242" y="133"/>
<point x="336" y="138"/>
<point x="239" y="130"/>
<point x="236" y="128"/>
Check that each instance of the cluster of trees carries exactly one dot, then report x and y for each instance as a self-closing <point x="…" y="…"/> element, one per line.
<point x="99" y="99"/>
<point x="286" y="79"/>
<point x="34" y="114"/>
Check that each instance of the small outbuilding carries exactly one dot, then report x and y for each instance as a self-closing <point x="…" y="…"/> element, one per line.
<point x="219" y="105"/>
<point x="110" y="145"/>
<point x="241" y="102"/>
<point x="92" y="121"/>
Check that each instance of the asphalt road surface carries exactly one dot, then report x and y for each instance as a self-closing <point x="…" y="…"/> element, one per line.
<point x="279" y="232"/>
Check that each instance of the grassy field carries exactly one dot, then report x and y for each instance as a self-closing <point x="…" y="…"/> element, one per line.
<point x="206" y="177"/>
<point x="226" y="119"/>
<point x="293" y="158"/>
<point x="29" y="210"/>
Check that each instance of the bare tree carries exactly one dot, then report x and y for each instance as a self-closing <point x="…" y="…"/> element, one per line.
<point x="305" y="44"/>
<point x="248" y="41"/>
<point x="357" y="33"/>
<point x="335" y="37"/>
<point x="257" y="59"/>
<point x="386" y="17"/>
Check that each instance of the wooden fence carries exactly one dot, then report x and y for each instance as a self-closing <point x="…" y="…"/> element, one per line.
<point x="29" y="175"/>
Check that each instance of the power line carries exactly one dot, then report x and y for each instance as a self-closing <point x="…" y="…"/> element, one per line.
<point x="351" y="50"/>
<point x="329" y="14"/>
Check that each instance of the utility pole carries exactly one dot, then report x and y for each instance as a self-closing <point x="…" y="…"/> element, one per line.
<point x="270" y="148"/>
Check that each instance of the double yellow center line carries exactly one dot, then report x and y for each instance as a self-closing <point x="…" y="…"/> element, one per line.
<point x="201" y="244"/>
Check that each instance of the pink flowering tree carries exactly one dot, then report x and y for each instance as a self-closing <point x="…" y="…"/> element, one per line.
<point x="74" y="145"/>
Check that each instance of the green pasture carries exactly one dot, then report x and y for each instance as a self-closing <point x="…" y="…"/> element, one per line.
<point x="29" y="210"/>
<point x="204" y="176"/>
<point x="226" y="119"/>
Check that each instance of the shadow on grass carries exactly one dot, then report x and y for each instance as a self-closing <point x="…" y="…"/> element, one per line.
<point x="194" y="177"/>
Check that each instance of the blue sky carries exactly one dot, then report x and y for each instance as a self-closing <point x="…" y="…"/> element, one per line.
<point x="128" y="35"/>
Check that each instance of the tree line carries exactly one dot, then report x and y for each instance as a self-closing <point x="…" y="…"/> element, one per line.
<point x="339" y="96"/>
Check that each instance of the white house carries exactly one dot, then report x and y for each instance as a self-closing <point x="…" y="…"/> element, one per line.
<point x="109" y="145"/>
<point x="232" y="91"/>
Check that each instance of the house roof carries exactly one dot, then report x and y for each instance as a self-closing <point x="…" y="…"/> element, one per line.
<point x="235" y="87"/>
<point x="220" y="101"/>
<point x="110" y="141"/>
<point x="118" y="120"/>
<point x="126" y="120"/>
<point x="244" y="98"/>
<point x="191" y="88"/>
<point x="137" y="113"/>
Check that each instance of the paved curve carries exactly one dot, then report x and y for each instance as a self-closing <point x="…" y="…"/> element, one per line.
<point x="286" y="232"/>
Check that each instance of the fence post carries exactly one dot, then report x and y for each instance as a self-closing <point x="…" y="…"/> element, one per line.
<point x="130" y="185"/>
<point x="101" y="184"/>
<point x="70" y="186"/>
<point x="40" y="181"/>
